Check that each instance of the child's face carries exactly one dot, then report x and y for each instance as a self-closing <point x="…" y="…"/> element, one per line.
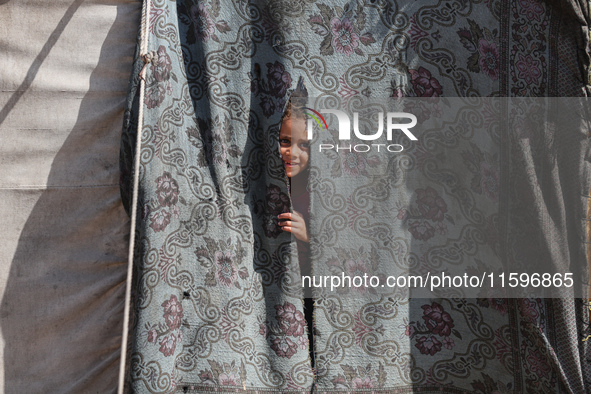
<point x="294" y="146"/>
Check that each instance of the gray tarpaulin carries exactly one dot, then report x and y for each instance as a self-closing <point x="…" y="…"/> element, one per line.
<point x="64" y="70"/>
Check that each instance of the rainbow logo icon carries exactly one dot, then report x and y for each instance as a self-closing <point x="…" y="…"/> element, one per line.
<point x="316" y="117"/>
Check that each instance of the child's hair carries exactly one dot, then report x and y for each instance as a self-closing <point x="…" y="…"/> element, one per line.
<point x="293" y="111"/>
<point x="296" y="110"/>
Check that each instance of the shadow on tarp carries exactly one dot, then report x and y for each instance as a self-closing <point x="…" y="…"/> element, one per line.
<point x="62" y="311"/>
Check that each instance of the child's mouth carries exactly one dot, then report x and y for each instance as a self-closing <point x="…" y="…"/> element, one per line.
<point x="292" y="164"/>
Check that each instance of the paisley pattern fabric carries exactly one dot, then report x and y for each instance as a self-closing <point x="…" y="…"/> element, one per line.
<point x="217" y="303"/>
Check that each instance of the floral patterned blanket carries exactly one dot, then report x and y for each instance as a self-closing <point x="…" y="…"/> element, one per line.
<point x="217" y="303"/>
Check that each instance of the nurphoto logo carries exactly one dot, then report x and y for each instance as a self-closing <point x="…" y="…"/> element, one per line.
<point x="395" y="122"/>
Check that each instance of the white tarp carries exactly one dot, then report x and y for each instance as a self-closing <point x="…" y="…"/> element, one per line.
<point x="64" y="70"/>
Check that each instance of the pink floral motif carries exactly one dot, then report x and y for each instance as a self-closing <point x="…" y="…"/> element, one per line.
<point x="167" y="190"/>
<point x="173" y="312"/>
<point x="344" y="40"/>
<point x="359" y="383"/>
<point x="499" y="304"/>
<point x="402" y="214"/>
<point x="431" y="204"/>
<point x="356" y="268"/>
<point x="448" y="343"/>
<point x="441" y="228"/>
<point x="398" y="92"/>
<point x="155" y="95"/>
<point x="174" y="381"/>
<point x="437" y="320"/>
<point x="175" y="211"/>
<point x="263" y="329"/>
<point x="291" y="321"/>
<point x="360" y="378"/>
<point x="207" y="378"/>
<point x="226" y="270"/>
<point x="528" y="310"/>
<point x="489" y="59"/>
<point x="152" y="335"/>
<point x="229" y="379"/>
<point x="204" y="25"/>
<point x="303" y="342"/>
<point x="168" y="344"/>
<point x="162" y="68"/>
<point x="532" y="9"/>
<point x="410" y="330"/>
<point x="416" y="33"/>
<point x="160" y="220"/>
<point x="528" y="68"/>
<point x="353" y="163"/>
<point x="356" y="163"/>
<point x="538" y="364"/>
<point x="278" y="79"/>
<point x="341" y="32"/>
<point x="428" y="345"/>
<point x="271" y="91"/>
<point x="345" y="91"/>
<point x="421" y="230"/>
<point x="481" y="44"/>
<point x="424" y="85"/>
<point x="284" y="347"/>
<point x="222" y="374"/>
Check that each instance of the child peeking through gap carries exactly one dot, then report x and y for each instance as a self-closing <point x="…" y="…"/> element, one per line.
<point x="295" y="154"/>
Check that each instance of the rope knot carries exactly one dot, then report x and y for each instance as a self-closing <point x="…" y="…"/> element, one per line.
<point x="150" y="57"/>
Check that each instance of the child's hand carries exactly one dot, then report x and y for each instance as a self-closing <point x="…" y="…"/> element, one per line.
<point x="295" y="224"/>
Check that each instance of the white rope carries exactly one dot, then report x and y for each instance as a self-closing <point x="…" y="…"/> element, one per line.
<point x="145" y="23"/>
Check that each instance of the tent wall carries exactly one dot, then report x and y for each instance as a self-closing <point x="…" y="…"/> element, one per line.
<point x="64" y="71"/>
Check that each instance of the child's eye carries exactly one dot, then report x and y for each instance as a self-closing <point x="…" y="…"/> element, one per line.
<point x="284" y="142"/>
<point x="305" y="145"/>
